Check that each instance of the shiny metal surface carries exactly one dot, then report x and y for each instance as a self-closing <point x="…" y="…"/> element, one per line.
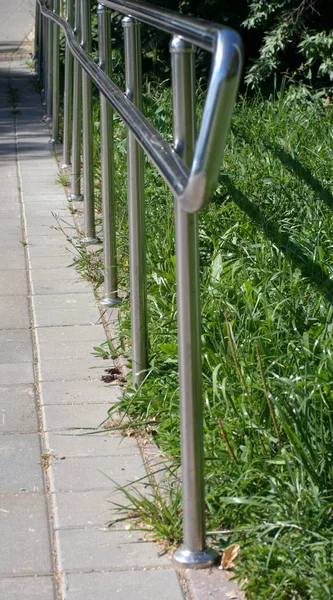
<point x="77" y="111"/>
<point x="45" y="29"/>
<point x="136" y="208"/>
<point x="49" y="49"/>
<point x="226" y="69"/>
<point x="188" y="318"/>
<point x="37" y="40"/>
<point x="107" y="164"/>
<point x="87" y="132"/>
<point x="68" y="93"/>
<point x="220" y="99"/>
<point x="56" y="77"/>
<point x="198" y="32"/>
<point x="185" y="558"/>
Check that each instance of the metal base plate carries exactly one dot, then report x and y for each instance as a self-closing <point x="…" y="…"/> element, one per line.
<point x="186" y="559"/>
<point x="109" y="301"/>
<point x="76" y="197"/>
<point x="90" y="240"/>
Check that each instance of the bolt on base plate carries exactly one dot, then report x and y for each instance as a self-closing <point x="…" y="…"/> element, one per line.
<point x="186" y="559"/>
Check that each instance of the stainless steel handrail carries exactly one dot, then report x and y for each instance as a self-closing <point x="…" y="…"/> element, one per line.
<point x="193" y="188"/>
<point x="190" y="168"/>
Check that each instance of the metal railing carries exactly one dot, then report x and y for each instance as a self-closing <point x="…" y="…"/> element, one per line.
<point x="190" y="168"/>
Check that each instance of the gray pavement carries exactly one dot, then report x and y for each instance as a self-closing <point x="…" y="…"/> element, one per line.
<point x="56" y="485"/>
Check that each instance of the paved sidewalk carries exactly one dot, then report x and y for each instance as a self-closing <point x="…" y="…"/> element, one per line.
<point x="54" y="485"/>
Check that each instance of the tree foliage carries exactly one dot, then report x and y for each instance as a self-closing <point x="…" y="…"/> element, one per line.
<point x="297" y="39"/>
<point x="293" y="37"/>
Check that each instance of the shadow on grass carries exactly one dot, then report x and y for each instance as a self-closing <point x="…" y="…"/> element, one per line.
<point x="292" y="164"/>
<point x="292" y="251"/>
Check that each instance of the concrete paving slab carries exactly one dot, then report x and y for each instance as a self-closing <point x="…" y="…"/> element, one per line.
<point x="65" y="444"/>
<point x="43" y="209"/>
<point x="11" y="226"/>
<point x="10" y="240"/>
<point x="69" y="286"/>
<point x="27" y="588"/>
<point x="52" y="239"/>
<point x="14" y="373"/>
<point x="50" y="338"/>
<point x="71" y="369"/>
<point x="14" y="312"/>
<point x="90" y="473"/>
<point x="65" y="309"/>
<point x="49" y="226"/>
<point x="73" y="417"/>
<point x="78" y="392"/>
<point x="20" y="465"/>
<point x="18" y="409"/>
<point x="48" y="250"/>
<point x="126" y="585"/>
<point x="78" y="510"/>
<point x="15" y="346"/>
<point x="43" y="223"/>
<point x="24" y="549"/>
<point x="93" y="549"/>
<point x="49" y="350"/>
<point x="57" y="275"/>
<point x="12" y="260"/>
<point x="51" y="262"/>
<point x="13" y="283"/>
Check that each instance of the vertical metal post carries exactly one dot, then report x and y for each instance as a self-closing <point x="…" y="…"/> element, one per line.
<point x="68" y="94"/>
<point x="77" y="115"/>
<point x="55" y="96"/>
<point x="137" y="243"/>
<point x="37" y="37"/>
<point x="40" y="50"/>
<point x="108" y="191"/>
<point x="45" y="58"/>
<point x="193" y="554"/>
<point x="49" y="67"/>
<point x="87" y="128"/>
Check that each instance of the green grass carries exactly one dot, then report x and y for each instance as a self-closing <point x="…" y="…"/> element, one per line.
<point x="266" y="260"/>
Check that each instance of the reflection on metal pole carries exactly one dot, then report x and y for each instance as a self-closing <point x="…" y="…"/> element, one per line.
<point x="193" y="554"/>
<point x="55" y="97"/>
<point x="68" y="94"/>
<point x="49" y="67"/>
<point x="107" y="159"/>
<point x="137" y="248"/>
<point x="87" y="129"/>
<point x="37" y="44"/>
<point x="77" y="116"/>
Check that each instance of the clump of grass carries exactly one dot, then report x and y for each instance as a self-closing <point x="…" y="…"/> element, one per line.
<point x="87" y="262"/>
<point x="152" y="505"/>
<point x="63" y="179"/>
